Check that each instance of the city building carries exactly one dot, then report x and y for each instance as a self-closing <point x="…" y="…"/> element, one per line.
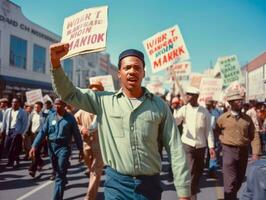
<point x="24" y="56"/>
<point x="24" y="52"/>
<point x="80" y="68"/>
<point x="256" y="78"/>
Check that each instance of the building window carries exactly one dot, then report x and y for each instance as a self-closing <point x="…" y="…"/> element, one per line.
<point x="39" y="57"/>
<point x="68" y="68"/>
<point x="18" y="52"/>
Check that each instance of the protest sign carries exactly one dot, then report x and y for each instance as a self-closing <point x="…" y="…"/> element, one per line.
<point x="85" y="31"/>
<point x="106" y="80"/>
<point x="166" y="48"/>
<point x="210" y="89"/>
<point x="34" y="95"/>
<point x="156" y="88"/>
<point x="230" y="69"/>
<point x="182" y="70"/>
<point x="195" y="79"/>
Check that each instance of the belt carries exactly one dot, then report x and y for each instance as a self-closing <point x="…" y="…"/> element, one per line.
<point x="235" y="146"/>
<point x="118" y="175"/>
<point x="59" y="142"/>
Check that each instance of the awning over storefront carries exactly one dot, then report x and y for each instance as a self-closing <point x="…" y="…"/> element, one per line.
<point x="14" y="83"/>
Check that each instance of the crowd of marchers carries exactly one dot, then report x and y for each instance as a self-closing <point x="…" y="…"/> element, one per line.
<point x="124" y="132"/>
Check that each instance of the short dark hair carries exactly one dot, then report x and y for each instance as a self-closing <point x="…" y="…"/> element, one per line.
<point x="39" y="103"/>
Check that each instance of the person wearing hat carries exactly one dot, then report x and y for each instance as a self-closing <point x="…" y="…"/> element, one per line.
<point x="236" y="131"/>
<point x="3" y="108"/>
<point x="131" y="122"/>
<point x="87" y="123"/>
<point x="60" y="127"/>
<point x="197" y="134"/>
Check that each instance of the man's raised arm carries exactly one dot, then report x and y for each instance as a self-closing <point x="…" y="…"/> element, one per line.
<point x="84" y="99"/>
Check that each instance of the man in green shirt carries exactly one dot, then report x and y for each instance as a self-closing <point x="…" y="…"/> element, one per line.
<point x="130" y="124"/>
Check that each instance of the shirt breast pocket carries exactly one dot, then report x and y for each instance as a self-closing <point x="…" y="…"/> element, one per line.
<point x="148" y="126"/>
<point x="116" y="122"/>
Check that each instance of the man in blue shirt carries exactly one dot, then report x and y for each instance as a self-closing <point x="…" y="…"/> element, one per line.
<point x="14" y="124"/>
<point x="59" y="127"/>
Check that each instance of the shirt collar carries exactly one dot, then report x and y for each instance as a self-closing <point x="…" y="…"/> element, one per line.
<point x="146" y="93"/>
<point x="229" y="114"/>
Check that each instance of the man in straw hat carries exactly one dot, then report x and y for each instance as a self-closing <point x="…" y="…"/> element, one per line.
<point x="197" y="134"/>
<point x="130" y="123"/>
<point x="236" y="131"/>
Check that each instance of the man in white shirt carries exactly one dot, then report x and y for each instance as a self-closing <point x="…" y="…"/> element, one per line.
<point x="35" y="123"/>
<point x="197" y="133"/>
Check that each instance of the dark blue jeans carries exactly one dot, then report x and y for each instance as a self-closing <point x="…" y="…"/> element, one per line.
<point x="60" y="161"/>
<point x="13" y="146"/>
<point x="122" y="187"/>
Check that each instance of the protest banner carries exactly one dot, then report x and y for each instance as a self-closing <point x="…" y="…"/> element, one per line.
<point x="106" y="80"/>
<point x="85" y="31"/>
<point x="34" y="95"/>
<point x="156" y="88"/>
<point x="182" y="70"/>
<point x="195" y="79"/>
<point x="166" y="48"/>
<point x="210" y="89"/>
<point x="230" y="69"/>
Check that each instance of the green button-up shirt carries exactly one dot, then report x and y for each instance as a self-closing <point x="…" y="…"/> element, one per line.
<point x="129" y="136"/>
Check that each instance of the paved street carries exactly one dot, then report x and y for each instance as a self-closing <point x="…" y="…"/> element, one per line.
<point x="17" y="184"/>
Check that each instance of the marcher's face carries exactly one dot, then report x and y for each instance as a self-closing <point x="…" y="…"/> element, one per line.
<point x="192" y="98"/>
<point x="260" y="113"/>
<point x="59" y="107"/>
<point x="48" y="106"/>
<point x="131" y="73"/>
<point x="28" y="109"/>
<point x="37" y="108"/>
<point x="236" y="105"/>
<point x="3" y="104"/>
<point x="15" y="104"/>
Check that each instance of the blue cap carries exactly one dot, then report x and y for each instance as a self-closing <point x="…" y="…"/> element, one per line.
<point x="131" y="52"/>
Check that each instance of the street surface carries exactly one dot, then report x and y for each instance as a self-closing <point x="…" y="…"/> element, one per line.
<point x="16" y="184"/>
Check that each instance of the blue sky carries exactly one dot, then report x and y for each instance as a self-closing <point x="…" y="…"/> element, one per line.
<point x="210" y="28"/>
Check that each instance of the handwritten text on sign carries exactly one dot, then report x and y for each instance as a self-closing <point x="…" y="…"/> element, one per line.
<point x="166" y="48"/>
<point x="86" y="31"/>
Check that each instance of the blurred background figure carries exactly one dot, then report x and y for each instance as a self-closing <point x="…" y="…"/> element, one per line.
<point x="3" y="108"/>
<point x="87" y="123"/>
<point x="14" y="124"/>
